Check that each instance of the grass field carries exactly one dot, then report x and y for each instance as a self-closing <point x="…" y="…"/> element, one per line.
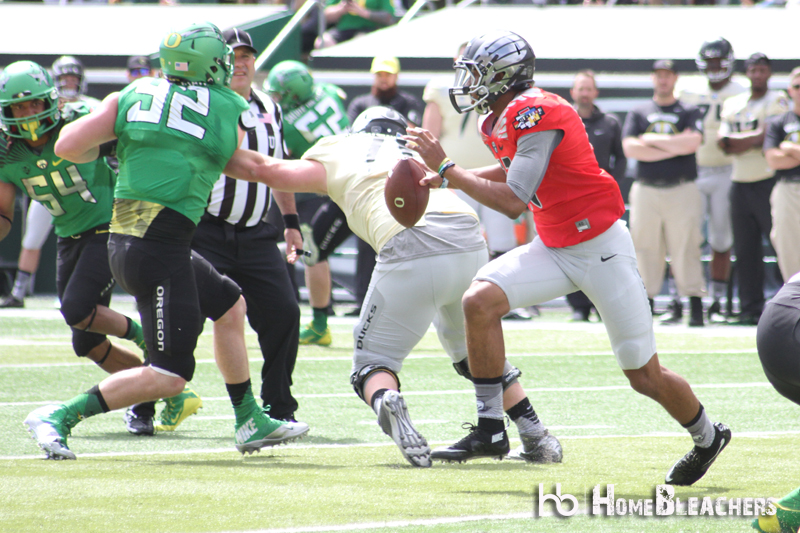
<point x="347" y="476"/>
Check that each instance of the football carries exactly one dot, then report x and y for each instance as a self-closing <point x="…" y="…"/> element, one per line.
<point x="405" y="197"/>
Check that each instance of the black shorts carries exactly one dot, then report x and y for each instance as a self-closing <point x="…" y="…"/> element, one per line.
<point x="175" y="288"/>
<point x="83" y="281"/>
<point x="778" y="340"/>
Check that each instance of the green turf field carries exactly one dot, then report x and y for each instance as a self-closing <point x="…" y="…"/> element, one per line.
<point x="347" y="476"/>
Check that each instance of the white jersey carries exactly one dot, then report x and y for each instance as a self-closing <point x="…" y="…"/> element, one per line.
<point x="357" y="166"/>
<point x="694" y="90"/>
<point x="741" y="114"/>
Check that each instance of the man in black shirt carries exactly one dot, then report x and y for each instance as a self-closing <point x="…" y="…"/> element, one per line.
<point x="605" y="134"/>
<point x="666" y="205"/>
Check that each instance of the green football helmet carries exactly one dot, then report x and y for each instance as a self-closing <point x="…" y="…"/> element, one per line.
<point x="198" y="55"/>
<point x="290" y="83"/>
<point x="22" y="81"/>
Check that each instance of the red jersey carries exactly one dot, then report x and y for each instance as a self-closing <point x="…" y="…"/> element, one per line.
<point x="576" y="200"/>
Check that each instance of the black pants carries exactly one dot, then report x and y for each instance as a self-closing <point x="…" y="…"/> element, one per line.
<point x="778" y="340"/>
<point x="752" y="221"/>
<point x="251" y="258"/>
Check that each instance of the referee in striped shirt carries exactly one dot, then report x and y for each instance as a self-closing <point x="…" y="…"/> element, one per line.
<point x="234" y="237"/>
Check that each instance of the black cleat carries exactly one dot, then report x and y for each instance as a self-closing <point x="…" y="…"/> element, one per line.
<point x="10" y="302"/>
<point x="674" y="314"/>
<point x="479" y="443"/>
<point x="138" y="425"/>
<point x="696" y="463"/>
<point x="715" y="314"/>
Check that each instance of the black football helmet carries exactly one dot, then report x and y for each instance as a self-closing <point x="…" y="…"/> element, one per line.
<point x="719" y="48"/>
<point x="490" y="66"/>
<point x="380" y="119"/>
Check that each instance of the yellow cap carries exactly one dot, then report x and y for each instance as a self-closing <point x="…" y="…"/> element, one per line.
<point x="385" y="64"/>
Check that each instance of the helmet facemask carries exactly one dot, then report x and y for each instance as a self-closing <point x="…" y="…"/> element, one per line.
<point x="25" y="81"/>
<point x="491" y="65"/>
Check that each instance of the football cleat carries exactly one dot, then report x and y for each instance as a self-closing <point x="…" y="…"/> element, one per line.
<point x="479" y="443"/>
<point x="50" y="426"/>
<point x="542" y="449"/>
<point x="786" y="518"/>
<point x="715" y="314"/>
<point x="138" y="425"/>
<point x="394" y="421"/>
<point x="692" y="466"/>
<point x="10" y="302"/>
<point x="260" y="431"/>
<point x="310" y="336"/>
<point x="674" y="314"/>
<point x="179" y="408"/>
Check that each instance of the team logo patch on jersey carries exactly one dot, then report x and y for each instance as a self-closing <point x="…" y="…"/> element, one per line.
<point x="41" y="164"/>
<point x="528" y="117"/>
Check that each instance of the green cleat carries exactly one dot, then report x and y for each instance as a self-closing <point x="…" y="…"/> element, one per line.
<point x="259" y="431"/>
<point x="50" y="426"/>
<point x="785" y="520"/>
<point x="310" y="336"/>
<point x="179" y="408"/>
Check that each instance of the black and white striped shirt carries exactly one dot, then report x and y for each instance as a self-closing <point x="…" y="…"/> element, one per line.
<point x="239" y="202"/>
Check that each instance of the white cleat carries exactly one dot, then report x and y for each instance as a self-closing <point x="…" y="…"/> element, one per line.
<point x="394" y="421"/>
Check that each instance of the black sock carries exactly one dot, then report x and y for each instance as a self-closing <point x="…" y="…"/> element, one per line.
<point x="238" y="391"/>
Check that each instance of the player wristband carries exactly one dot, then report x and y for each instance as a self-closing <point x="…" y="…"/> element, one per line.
<point x="444" y="168"/>
<point x="291" y="221"/>
<point x="443" y="163"/>
<point x="445" y="181"/>
<point x="5" y="217"/>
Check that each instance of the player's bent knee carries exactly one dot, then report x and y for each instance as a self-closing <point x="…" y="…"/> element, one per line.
<point x="359" y="378"/>
<point x="236" y="313"/>
<point x="83" y="343"/>
<point x="77" y="314"/>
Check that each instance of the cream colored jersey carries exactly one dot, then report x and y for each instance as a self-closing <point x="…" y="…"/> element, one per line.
<point x="740" y="114"/>
<point x="357" y="166"/>
<point x="695" y="90"/>
<point x="459" y="136"/>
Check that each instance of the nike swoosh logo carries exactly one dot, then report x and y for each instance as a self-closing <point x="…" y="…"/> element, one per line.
<point x="56" y="163"/>
<point x="721" y="447"/>
<point x="604" y="259"/>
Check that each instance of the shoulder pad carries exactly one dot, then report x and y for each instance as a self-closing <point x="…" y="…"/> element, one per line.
<point x="248" y="120"/>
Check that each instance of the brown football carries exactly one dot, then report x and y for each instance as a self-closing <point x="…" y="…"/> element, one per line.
<point x="405" y="197"/>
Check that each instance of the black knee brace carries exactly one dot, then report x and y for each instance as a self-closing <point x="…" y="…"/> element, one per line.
<point x="359" y="378"/>
<point x="84" y="342"/>
<point x="510" y="374"/>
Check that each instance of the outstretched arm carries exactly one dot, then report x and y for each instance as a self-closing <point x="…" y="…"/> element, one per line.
<point x="302" y="175"/>
<point x="80" y="141"/>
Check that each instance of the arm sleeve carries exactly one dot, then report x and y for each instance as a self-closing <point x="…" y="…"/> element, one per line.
<point x="530" y="162"/>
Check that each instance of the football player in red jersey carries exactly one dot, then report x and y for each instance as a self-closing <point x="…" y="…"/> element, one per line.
<point x="547" y="164"/>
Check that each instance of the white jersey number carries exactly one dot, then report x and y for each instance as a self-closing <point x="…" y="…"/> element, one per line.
<point x="179" y="100"/>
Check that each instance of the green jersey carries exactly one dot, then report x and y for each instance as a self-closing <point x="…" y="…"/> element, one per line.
<point x="174" y="141"/>
<point x="79" y="196"/>
<point x="322" y="115"/>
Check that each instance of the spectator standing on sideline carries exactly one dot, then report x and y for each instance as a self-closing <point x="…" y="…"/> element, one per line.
<point x="408" y="289"/>
<point x="545" y="162"/>
<point x="782" y="150"/>
<point x="666" y="205"/>
<point x="70" y="81"/>
<point x="235" y="238"/>
<point x="717" y="63"/>
<point x="169" y="158"/>
<point x="741" y="135"/>
<point x="139" y="67"/>
<point x="384" y="92"/>
<point x="605" y="135"/>
<point x="311" y="111"/>
<point x="459" y="137"/>
<point x="354" y="17"/>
